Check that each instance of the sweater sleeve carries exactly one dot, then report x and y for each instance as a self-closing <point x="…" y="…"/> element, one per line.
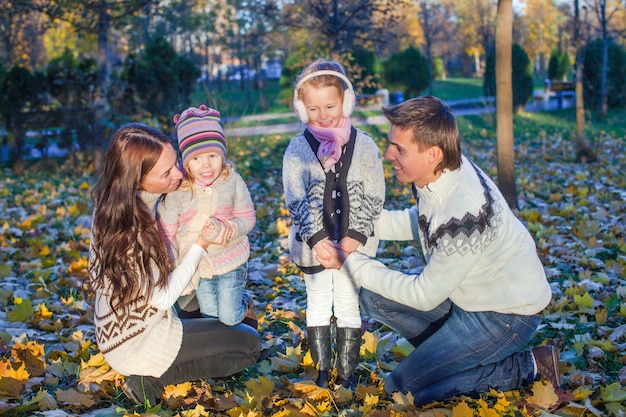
<point x="304" y="193"/>
<point x="373" y="188"/>
<point x="164" y="298"/>
<point x="398" y="224"/>
<point x="169" y="211"/>
<point x="423" y="292"/>
<point x="244" y="216"/>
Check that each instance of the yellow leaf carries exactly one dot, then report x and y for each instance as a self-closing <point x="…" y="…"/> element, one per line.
<point x="81" y="231"/>
<point x="178" y="390"/>
<point x="462" y="410"/>
<point x="369" y="345"/>
<point x="585" y="301"/>
<point x="7" y="371"/>
<point x="312" y="391"/>
<point x="44" y="401"/>
<point x="96" y="376"/>
<point x="282" y="227"/>
<point x="94" y="361"/>
<point x="601" y="316"/>
<point x="36" y="349"/>
<point x="502" y="404"/>
<point x="543" y="395"/>
<point x="613" y="392"/>
<point x="79" y="265"/>
<point x="307" y="360"/>
<point x="43" y="312"/>
<point x="26" y="224"/>
<point x="260" y="387"/>
<point x="67" y="301"/>
<point x="484" y="410"/>
<point x="371" y="400"/>
<point x="403" y="399"/>
<point x="581" y="393"/>
<point x="198" y="411"/>
<point x="73" y="397"/>
<point x="45" y="251"/>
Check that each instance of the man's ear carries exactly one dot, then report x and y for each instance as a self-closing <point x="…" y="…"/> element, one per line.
<point x="435" y="155"/>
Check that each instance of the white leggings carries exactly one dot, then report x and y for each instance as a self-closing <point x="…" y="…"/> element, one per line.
<point x="332" y="288"/>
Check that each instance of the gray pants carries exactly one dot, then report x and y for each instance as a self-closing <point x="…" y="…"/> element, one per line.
<point x="209" y="349"/>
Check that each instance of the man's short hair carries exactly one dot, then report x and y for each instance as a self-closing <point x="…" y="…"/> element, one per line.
<point x="432" y="124"/>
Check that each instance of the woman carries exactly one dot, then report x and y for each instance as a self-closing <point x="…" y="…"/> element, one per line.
<point x="136" y="288"/>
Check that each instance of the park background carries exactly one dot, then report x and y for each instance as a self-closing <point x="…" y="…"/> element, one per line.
<point x="73" y="71"/>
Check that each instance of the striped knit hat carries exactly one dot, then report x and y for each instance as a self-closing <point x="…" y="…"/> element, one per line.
<point x="198" y="131"/>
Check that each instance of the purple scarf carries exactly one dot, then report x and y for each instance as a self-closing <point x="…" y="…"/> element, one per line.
<point x="331" y="141"/>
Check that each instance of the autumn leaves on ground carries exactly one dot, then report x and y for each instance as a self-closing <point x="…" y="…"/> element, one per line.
<point x="51" y="366"/>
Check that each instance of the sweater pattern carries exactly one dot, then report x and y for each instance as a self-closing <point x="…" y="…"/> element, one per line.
<point x="115" y="331"/>
<point x="345" y="201"/>
<point x="471" y="233"/>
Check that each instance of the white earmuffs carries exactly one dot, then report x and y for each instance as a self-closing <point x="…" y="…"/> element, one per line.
<point x="349" y="99"/>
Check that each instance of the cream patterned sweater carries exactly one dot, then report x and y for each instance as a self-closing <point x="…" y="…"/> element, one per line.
<point x="147" y="340"/>
<point x="479" y="255"/>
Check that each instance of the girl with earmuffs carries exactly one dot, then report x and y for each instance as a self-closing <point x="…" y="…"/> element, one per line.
<point x="334" y="190"/>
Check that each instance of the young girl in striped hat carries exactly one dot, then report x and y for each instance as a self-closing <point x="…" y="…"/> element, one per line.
<point x="211" y="190"/>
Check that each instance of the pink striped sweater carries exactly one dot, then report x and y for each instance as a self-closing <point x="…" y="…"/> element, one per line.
<point x="183" y="213"/>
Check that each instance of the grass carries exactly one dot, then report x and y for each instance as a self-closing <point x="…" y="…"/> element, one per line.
<point x="235" y="100"/>
<point x="458" y="88"/>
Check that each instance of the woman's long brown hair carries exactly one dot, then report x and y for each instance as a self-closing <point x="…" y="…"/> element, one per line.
<point x="129" y="255"/>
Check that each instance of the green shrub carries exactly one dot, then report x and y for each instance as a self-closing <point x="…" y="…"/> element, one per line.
<point x="559" y="65"/>
<point x="407" y="71"/>
<point x="160" y="79"/>
<point x="437" y="68"/>
<point x="522" y="76"/>
<point x="364" y="70"/>
<point x="616" y="75"/>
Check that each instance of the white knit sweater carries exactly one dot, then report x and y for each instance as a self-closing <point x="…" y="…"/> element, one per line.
<point x="147" y="340"/>
<point x="479" y="255"/>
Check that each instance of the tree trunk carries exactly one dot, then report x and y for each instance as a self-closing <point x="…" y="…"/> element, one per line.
<point x="604" y="78"/>
<point x="584" y="152"/>
<point x="99" y="112"/>
<point x="504" y="102"/>
<point x="605" y="60"/>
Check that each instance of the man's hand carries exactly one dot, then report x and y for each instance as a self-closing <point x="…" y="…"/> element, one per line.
<point x="330" y="255"/>
<point x="348" y="244"/>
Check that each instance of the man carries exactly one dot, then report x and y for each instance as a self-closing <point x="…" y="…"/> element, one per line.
<point x="477" y="302"/>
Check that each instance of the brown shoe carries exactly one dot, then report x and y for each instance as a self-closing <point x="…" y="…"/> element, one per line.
<point x="547" y="360"/>
<point x="250" y="318"/>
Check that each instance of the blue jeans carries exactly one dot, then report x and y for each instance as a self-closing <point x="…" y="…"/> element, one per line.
<point x="456" y="351"/>
<point x="221" y="296"/>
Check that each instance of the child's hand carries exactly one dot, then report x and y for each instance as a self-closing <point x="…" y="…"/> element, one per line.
<point x="330" y="255"/>
<point x="218" y="232"/>
<point x="211" y="229"/>
<point x="323" y="251"/>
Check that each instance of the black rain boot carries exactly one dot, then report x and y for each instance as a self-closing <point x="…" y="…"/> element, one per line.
<point x="319" y="343"/>
<point x="348" y="349"/>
